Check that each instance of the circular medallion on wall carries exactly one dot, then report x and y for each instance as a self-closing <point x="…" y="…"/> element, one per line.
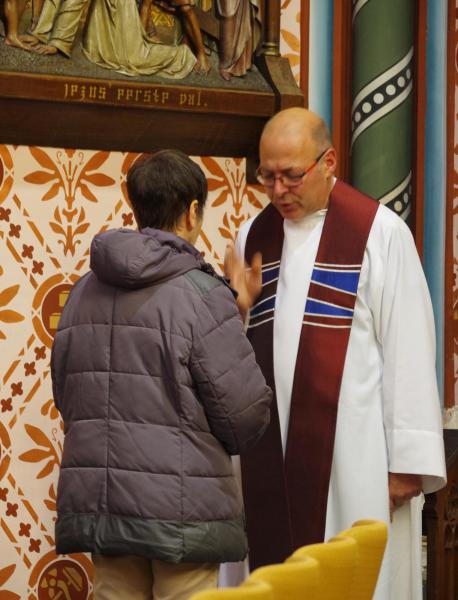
<point x="47" y="307"/>
<point x="62" y="578"/>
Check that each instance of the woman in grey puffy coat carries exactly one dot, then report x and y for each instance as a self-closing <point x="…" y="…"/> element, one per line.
<point x="157" y="386"/>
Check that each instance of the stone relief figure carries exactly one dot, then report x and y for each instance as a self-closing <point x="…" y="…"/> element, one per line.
<point x="185" y="11"/>
<point x="128" y="50"/>
<point x="240" y="30"/>
<point x="121" y="35"/>
<point x="107" y="41"/>
<point x="13" y="11"/>
<point x="144" y="6"/>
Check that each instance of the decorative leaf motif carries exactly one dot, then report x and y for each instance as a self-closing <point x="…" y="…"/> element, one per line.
<point x="6" y="573"/>
<point x="51" y="501"/>
<point x="8" y="294"/>
<point x="52" y="192"/>
<point x="213" y="167"/>
<point x="225" y="233"/>
<point x="42" y="158"/>
<point x="292" y="40"/>
<point x="221" y="199"/>
<point x="52" y="492"/>
<point x="213" y="184"/>
<point x="35" y="455"/>
<point x="40" y="177"/>
<point x="96" y="161"/>
<point x="99" y="179"/>
<point x="57" y="215"/>
<point x="38" y="436"/>
<point x="87" y="192"/>
<point x="81" y="229"/>
<point x="47" y="469"/>
<point x="82" y="215"/>
<point x="49" y="407"/>
<point x="52" y="506"/>
<point x="10" y="316"/>
<point x="4" y="464"/>
<point x="252" y="199"/>
<point x="6" y="188"/>
<point x="57" y="228"/>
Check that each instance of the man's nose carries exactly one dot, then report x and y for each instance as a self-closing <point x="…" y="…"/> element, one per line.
<point x="279" y="188"/>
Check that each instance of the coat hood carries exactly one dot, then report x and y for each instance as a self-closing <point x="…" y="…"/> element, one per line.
<point x="134" y="259"/>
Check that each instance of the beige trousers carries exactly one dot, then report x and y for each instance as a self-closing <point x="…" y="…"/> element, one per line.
<point x="138" y="578"/>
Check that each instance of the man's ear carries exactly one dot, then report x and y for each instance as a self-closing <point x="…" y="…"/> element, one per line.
<point x="330" y="161"/>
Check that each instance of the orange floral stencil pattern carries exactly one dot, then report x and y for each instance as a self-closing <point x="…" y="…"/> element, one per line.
<point x="58" y="201"/>
<point x="66" y="176"/>
<point x="231" y="202"/>
<point x="8" y="315"/>
<point x="52" y="202"/>
<point x="5" y="574"/>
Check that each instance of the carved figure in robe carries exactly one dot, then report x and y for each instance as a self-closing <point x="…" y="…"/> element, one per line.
<point x="240" y="29"/>
<point x="37" y="5"/>
<point x="185" y="11"/>
<point x="144" y="7"/>
<point x="113" y="38"/>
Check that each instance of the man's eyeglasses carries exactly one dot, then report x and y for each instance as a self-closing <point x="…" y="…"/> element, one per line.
<point x="289" y="180"/>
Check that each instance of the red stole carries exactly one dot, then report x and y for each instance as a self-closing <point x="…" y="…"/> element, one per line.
<point x="286" y="498"/>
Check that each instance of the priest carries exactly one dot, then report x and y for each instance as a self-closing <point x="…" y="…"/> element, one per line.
<point x="340" y="318"/>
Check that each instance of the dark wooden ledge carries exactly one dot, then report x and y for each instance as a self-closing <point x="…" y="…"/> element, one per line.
<point x="68" y="110"/>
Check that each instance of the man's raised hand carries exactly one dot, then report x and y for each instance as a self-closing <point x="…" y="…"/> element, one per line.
<point x="245" y="279"/>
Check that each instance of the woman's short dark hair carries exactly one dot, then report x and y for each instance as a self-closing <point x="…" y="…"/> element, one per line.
<point x="162" y="186"/>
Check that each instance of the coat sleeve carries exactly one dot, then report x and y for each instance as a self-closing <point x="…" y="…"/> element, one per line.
<point x="58" y="362"/>
<point x="60" y="347"/>
<point x="229" y="382"/>
<point x="412" y="416"/>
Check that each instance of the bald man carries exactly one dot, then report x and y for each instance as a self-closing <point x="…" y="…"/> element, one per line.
<point x="343" y="330"/>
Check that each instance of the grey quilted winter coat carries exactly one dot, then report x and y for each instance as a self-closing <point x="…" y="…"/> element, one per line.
<point x="157" y="386"/>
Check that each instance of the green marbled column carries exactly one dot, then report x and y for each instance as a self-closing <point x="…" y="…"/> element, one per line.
<point x="382" y="92"/>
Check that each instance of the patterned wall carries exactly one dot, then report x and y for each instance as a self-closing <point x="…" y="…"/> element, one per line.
<point x="52" y="202"/>
<point x="453" y="205"/>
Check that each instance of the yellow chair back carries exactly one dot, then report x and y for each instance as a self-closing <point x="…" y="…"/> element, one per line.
<point x="371" y="537"/>
<point x="249" y="590"/>
<point x="291" y="580"/>
<point x="338" y="560"/>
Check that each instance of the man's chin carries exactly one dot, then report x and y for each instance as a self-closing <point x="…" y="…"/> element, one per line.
<point x="290" y="211"/>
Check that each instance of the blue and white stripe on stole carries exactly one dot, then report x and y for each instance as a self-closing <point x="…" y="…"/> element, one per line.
<point x="332" y="296"/>
<point x="263" y="310"/>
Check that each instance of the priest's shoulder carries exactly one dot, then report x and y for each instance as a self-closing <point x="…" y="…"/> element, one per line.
<point x="389" y="228"/>
<point x="388" y="219"/>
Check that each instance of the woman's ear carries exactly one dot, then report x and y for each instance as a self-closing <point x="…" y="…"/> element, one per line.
<point x="193" y="215"/>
